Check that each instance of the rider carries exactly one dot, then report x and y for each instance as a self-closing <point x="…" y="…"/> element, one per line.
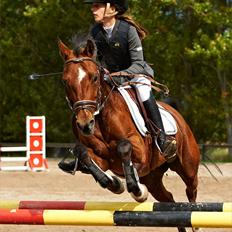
<point x="118" y="40"/>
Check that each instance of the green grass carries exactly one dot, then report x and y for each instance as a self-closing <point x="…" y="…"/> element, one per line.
<point x="219" y="154"/>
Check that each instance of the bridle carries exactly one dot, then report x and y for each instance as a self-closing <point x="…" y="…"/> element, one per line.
<point x="89" y="105"/>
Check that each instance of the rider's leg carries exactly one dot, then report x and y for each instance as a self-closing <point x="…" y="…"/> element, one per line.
<point x="167" y="144"/>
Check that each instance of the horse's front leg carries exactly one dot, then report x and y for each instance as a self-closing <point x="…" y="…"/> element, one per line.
<point x="138" y="191"/>
<point x="112" y="183"/>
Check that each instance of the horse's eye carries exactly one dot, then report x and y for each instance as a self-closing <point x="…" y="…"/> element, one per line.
<point x="95" y="78"/>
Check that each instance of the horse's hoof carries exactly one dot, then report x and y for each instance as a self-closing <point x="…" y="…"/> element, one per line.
<point x="197" y="230"/>
<point x="182" y="229"/>
<point x="144" y="193"/>
<point x="67" y="166"/>
<point x="117" y="186"/>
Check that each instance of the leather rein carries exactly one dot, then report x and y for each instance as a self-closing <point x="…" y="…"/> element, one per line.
<point x="97" y="106"/>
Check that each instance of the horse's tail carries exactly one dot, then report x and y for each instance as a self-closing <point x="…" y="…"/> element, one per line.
<point x="216" y="166"/>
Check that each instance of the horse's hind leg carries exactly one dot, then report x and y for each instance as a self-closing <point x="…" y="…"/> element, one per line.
<point x="137" y="190"/>
<point x="155" y="186"/>
<point x="104" y="179"/>
<point x="190" y="178"/>
<point x="191" y="189"/>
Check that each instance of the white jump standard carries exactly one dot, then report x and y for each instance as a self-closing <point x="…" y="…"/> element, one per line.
<point x="35" y="148"/>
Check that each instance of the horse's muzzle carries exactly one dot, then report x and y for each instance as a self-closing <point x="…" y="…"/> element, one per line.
<point x="86" y="128"/>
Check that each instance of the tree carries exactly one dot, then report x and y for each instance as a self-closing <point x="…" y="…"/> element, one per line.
<point x="30" y="31"/>
<point x="212" y="50"/>
<point x="189" y="46"/>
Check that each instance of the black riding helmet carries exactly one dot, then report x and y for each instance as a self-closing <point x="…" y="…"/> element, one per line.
<point x="121" y="5"/>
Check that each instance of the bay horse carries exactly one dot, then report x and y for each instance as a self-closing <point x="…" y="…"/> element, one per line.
<point x="107" y="138"/>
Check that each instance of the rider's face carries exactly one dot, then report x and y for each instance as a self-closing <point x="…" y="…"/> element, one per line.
<point x="98" y="11"/>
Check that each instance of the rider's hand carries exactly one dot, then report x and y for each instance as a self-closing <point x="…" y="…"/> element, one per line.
<point x="106" y="71"/>
<point x="120" y="77"/>
<point x="118" y="74"/>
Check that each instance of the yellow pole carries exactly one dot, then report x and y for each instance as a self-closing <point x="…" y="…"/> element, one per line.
<point x="212" y="219"/>
<point x="227" y="207"/>
<point x="78" y="217"/>
<point x="9" y="204"/>
<point x="119" y="206"/>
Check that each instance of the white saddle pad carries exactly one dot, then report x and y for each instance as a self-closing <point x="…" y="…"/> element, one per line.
<point x="168" y="120"/>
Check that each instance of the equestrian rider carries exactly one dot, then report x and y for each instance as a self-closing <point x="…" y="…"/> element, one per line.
<point x="118" y="40"/>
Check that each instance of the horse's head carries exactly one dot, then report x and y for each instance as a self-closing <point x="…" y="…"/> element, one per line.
<point x="81" y="76"/>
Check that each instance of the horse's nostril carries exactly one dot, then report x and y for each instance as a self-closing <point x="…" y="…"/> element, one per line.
<point x="87" y="128"/>
<point x="91" y="122"/>
<point x="79" y="125"/>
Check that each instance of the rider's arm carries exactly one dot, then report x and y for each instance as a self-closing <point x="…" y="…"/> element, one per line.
<point x="135" y="51"/>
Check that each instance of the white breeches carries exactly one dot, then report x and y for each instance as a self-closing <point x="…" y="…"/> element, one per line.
<point x="144" y="90"/>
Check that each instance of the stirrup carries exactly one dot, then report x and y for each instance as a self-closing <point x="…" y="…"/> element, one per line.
<point x="169" y="149"/>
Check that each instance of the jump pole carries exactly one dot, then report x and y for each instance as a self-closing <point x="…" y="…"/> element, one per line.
<point x="118" y="206"/>
<point x="117" y="218"/>
<point x="35" y="148"/>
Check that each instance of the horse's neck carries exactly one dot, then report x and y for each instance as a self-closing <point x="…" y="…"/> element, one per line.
<point x="106" y="91"/>
<point x="110" y="97"/>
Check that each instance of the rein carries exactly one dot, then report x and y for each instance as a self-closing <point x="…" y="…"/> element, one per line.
<point x="97" y="106"/>
<point x="161" y="89"/>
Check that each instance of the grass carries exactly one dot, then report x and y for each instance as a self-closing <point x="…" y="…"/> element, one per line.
<point x="219" y="154"/>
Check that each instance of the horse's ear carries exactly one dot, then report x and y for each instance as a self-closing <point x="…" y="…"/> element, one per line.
<point x="64" y="50"/>
<point x="89" y="49"/>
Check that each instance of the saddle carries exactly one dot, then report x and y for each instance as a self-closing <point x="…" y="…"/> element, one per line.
<point x="136" y="107"/>
<point x="139" y="115"/>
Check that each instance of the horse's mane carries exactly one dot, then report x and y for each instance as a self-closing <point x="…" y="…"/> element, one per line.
<point x="79" y="43"/>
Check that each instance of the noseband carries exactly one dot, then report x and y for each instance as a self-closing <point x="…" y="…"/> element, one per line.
<point x="85" y="104"/>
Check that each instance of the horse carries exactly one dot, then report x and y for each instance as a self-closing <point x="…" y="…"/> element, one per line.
<point x="107" y="138"/>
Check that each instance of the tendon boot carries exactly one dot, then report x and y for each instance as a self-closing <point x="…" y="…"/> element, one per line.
<point x="166" y="143"/>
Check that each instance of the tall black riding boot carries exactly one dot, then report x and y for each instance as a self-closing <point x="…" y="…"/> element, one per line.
<point x="167" y="144"/>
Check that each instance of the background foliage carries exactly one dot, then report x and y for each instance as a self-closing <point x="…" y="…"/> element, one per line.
<point x="190" y="47"/>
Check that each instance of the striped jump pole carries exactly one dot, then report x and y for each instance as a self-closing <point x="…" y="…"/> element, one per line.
<point x="117" y="218"/>
<point x="119" y="206"/>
